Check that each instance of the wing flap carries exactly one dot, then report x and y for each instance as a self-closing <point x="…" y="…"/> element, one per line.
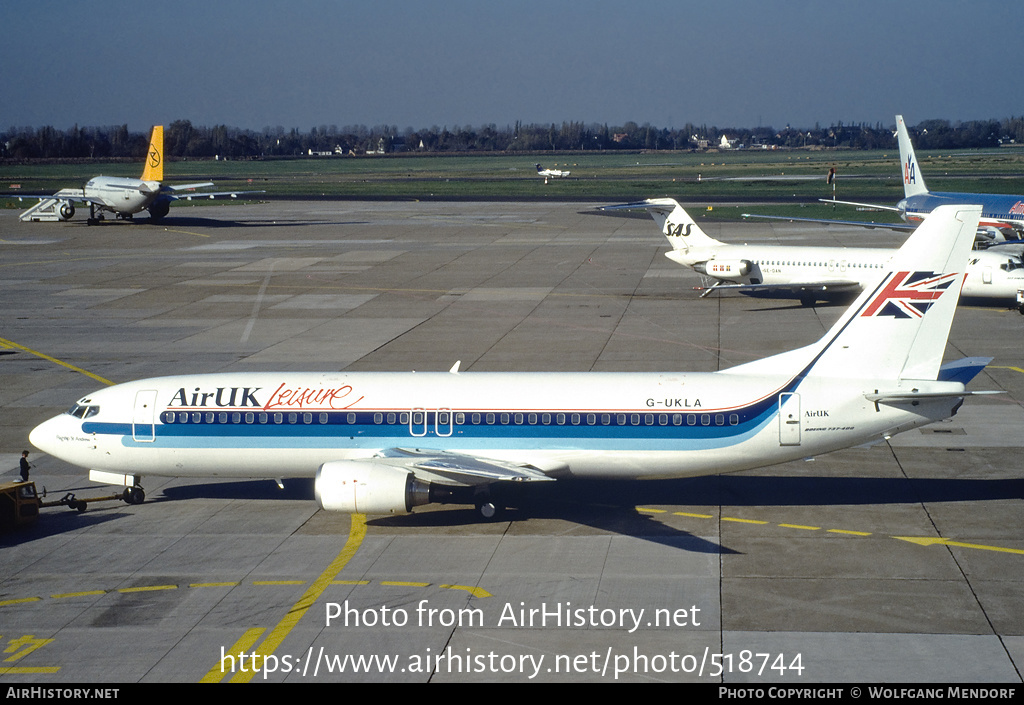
<point x="446" y="466"/>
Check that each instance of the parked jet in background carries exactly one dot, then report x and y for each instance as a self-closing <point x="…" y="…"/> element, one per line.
<point x="124" y="196"/>
<point x="813" y="274"/>
<point x="551" y="173"/>
<point x="379" y="442"/>
<point x="1002" y="216"/>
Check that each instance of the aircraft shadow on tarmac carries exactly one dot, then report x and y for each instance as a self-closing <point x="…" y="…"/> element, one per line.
<point x="606" y="505"/>
<point x="611" y="505"/>
<point x="766" y="306"/>
<point x="552" y="499"/>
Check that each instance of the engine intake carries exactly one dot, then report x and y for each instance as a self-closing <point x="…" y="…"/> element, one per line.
<point x="158" y="209"/>
<point x="724" y="268"/>
<point x="368" y="487"/>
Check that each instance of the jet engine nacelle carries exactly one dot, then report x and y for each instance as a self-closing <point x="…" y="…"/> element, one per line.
<point x="724" y="268"/>
<point x="367" y="487"/>
<point x="158" y="209"/>
<point x="67" y="210"/>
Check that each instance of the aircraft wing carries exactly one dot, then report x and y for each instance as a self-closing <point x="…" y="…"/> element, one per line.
<point x="838" y="286"/>
<point x="875" y="206"/>
<point x="448" y="467"/>
<point x="858" y="223"/>
<point x="66" y="194"/>
<point x="185" y="187"/>
<point x="985" y="234"/>
<point x="196" y="195"/>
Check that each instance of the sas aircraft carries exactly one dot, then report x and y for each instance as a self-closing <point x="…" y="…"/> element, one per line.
<point x="813" y="274"/>
<point x="386" y="442"/>
<point x="124" y="197"/>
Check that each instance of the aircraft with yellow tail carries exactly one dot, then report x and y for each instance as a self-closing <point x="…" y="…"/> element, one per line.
<point x="124" y="197"/>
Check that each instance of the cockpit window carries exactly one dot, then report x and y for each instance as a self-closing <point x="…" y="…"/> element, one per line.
<point x="1012" y="265"/>
<point x="82" y="411"/>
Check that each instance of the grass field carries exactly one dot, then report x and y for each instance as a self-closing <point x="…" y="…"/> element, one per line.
<point x="794" y="179"/>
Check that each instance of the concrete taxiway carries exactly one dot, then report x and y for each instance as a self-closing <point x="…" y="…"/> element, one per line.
<point x="899" y="562"/>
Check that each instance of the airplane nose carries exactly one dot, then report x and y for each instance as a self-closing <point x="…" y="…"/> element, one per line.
<point x="44" y="436"/>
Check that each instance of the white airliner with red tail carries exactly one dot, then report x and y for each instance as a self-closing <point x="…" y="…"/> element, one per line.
<point x="387" y="442"/>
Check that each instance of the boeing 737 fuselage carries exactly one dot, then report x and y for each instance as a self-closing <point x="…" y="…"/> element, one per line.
<point x="386" y="442"/>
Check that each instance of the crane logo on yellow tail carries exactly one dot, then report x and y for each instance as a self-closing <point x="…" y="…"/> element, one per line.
<point x="154" y="170"/>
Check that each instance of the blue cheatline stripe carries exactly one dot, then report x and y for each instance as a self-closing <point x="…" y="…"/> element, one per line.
<point x="218" y="430"/>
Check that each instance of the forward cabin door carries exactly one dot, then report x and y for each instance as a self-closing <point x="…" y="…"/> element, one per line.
<point x="144" y="417"/>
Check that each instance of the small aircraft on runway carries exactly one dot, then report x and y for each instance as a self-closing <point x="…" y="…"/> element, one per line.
<point x="551" y="173"/>
<point x="124" y="197"/>
<point x="812" y="274"/>
<point x="385" y="442"/>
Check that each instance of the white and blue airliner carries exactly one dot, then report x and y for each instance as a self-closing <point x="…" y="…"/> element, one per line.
<point x="387" y="442"/>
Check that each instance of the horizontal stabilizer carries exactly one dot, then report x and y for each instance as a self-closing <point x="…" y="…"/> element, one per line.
<point x="909" y="397"/>
<point x="658" y="205"/>
<point x="964" y="370"/>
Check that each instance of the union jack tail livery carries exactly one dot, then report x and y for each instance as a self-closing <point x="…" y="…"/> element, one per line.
<point x="909" y="294"/>
<point x="898" y="328"/>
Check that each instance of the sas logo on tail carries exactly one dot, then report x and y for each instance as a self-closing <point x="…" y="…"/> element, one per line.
<point x="909" y="294"/>
<point x="678" y="230"/>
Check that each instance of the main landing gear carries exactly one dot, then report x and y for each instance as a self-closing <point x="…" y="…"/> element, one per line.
<point x="134" y="495"/>
<point x="488" y="510"/>
<point x="488" y="504"/>
<point x="93" y="218"/>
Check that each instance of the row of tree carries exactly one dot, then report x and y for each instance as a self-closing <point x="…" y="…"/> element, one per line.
<point x="182" y="139"/>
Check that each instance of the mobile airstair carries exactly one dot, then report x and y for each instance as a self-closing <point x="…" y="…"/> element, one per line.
<point x="57" y="207"/>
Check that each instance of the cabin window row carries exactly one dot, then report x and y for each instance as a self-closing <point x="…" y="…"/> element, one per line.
<point x="445" y="417"/>
<point x="848" y="265"/>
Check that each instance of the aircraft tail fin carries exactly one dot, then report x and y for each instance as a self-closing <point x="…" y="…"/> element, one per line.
<point x="676" y="224"/>
<point x="897" y="329"/>
<point x="913" y="179"/>
<point x="154" y="170"/>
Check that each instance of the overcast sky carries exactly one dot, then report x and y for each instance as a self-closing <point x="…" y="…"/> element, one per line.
<point x="416" y="63"/>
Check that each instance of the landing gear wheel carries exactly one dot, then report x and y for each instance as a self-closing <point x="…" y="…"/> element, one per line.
<point x="134" y="495"/>
<point x="488" y="509"/>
